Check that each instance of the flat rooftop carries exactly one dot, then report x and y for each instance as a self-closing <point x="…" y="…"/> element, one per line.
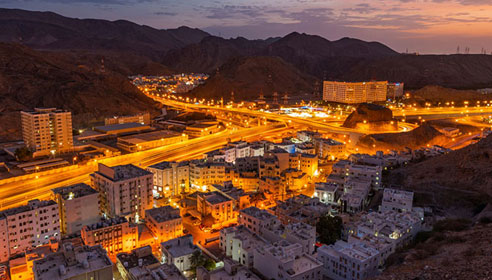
<point x="257" y="213"/>
<point x="215" y="197"/>
<point x="74" y="191"/>
<point x="149" y="136"/>
<point x="181" y="246"/>
<point x="167" y="164"/>
<point x="163" y="214"/>
<point x="122" y="172"/>
<point x="121" y="126"/>
<point x="106" y="223"/>
<point x="86" y="260"/>
<point x="31" y="205"/>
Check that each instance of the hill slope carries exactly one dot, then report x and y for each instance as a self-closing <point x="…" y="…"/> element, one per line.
<point x="31" y="79"/>
<point x="455" y="184"/>
<point x="47" y="30"/>
<point x="248" y="76"/>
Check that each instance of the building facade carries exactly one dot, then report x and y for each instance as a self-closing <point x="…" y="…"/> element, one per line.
<point x="28" y="226"/>
<point x="78" y="205"/>
<point x="165" y="223"/>
<point x="171" y="178"/>
<point x="353" y="93"/>
<point x="47" y="131"/>
<point x="115" y="235"/>
<point x="124" y="190"/>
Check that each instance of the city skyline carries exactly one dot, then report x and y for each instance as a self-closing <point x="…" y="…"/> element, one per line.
<point x="425" y="26"/>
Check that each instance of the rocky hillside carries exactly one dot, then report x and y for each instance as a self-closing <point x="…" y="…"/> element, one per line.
<point x="442" y="95"/>
<point x="456" y="184"/>
<point x="457" y="254"/>
<point x="47" y="30"/>
<point x="248" y="76"/>
<point x="369" y="113"/>
<point x="419" y="137"/>
<point x="31" y="79"/>
<point x="416" y="71"/>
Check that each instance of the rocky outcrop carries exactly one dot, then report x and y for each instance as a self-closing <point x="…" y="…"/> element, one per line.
<point x="31" y="79"/>
<point x="368" y="113"/>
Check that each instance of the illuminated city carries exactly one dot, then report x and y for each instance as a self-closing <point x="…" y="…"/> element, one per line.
<point x="140" y="151"/>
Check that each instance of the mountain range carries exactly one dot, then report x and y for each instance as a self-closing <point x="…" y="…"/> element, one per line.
<point x="78" y="49"/>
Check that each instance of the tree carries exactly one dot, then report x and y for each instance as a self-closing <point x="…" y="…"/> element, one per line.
<point x="23" y="154"/>
<point x="198" y="259"/>
<point x="329" y="229"/>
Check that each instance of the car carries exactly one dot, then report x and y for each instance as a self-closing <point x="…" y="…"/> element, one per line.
<point x="197" y="222"/>
<point x="206" y="229"/>
<point x="215" y="230"/>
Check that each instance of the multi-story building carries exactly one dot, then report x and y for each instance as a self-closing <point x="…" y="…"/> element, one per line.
<point x="395" y="90"/>
<point x="171" y="178"/>
<point x="150" y="140"/>
<point x="307" y="163"/>
<point x="285" y="260"/>
<point x="124" y="190"/>
<point x="74" y="263"/>
<point x="242" y="149"/>
<point x="231" y="270"/>
<point x="165" y="223"/>
<point x="179" y="251"/>
<point x="307" y="135"/>
<point x="239" y="244"/>
<point x="327" y="192"/>
<point x="396" y="200"/>
<point x="349" y="261"/>
<point x="47" y="131"/>
<point x="203" y="174"/>
<point x="115" y="235"/>
<point x="353" y="93"/>
<point x="217" y="205"/>
<point x="398" y="228"/>
<point x="78" y="205"/>
<point x="329" y="149"/>
<point x="256" y="219"/>
<point x="141" y="264"/>
<point x="142" y="118"/>
<point x="28" y="226"/>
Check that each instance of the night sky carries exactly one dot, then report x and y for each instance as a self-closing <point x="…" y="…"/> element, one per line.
<point x="426" y="26"/>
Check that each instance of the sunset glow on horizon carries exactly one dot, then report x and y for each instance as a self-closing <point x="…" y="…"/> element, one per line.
<point x="427" y="26"/>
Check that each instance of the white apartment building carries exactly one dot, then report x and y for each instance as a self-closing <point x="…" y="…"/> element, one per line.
<point x="230" y="271"/>
<point x="165" y="223"/>
<point x="124" y="190"/>
<point x="28" y="226"/>
<point x="399" y="228"/>
<point x="285" y="260"/>
<point x="353" y="93"/>
<point x="396" y="200"/>
<point x="255" y="219"/>
<point x="171" y="178"/>
<point x="329" y="149"/>
<point x="47" y="131"/>
<point x="256" y="151"/>
<point x="179" y="251"/>
<point x="348" y="261"/>
<point x="239" y="244"/>
<point x="77" y="263"/>
<point x="204" y="174"/>
<point x="327" y="192"/>
<point x="78" y="205"/>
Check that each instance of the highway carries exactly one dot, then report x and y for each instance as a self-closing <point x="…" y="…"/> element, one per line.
<point x="18" y="193"/>
<point x="309" y="122"/>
